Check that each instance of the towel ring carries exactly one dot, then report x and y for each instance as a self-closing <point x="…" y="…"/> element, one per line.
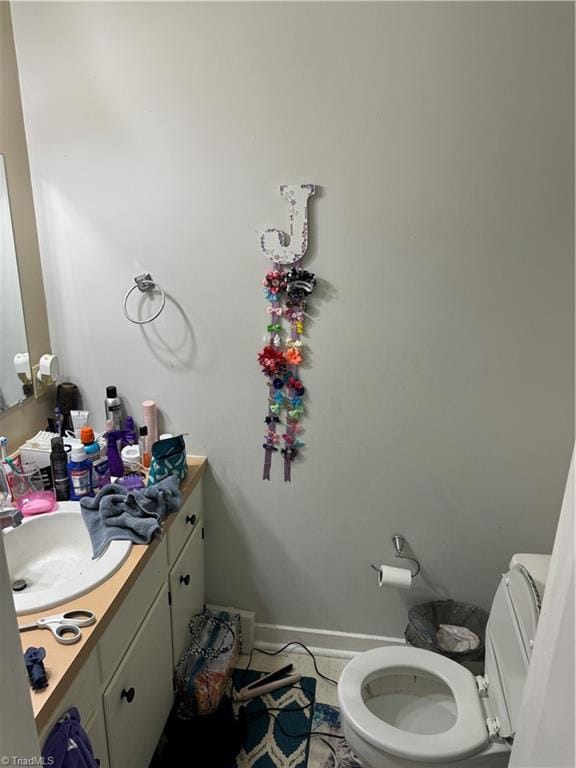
<point x="144" y="283"/>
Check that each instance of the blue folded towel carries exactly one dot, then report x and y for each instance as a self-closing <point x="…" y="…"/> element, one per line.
<point x="116" y="513"/>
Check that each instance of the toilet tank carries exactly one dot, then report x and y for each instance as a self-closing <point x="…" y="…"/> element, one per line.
<point x="510" y="636"/>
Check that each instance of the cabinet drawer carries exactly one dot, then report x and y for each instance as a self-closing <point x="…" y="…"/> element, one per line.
<point x="96" y="731"/>
<point x="184" y="522"/>
<point x="186" y="591"/>
<point x="138" y="700"/>
<point x="118" y="636"/>
<point x="84" y="694"/>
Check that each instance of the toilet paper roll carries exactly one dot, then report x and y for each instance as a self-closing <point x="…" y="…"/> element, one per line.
<point x="388" y="576"/>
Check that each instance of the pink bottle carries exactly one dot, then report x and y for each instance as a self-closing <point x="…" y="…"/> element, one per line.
<point x="150" y="420"/>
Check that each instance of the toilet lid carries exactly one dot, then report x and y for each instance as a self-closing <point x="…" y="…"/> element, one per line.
<point x="467" y="736"/>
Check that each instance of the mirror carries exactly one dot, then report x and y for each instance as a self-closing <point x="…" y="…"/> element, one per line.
<point x="15" y="376"/>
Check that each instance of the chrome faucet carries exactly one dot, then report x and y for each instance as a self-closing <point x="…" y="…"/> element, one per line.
<point x="10" y="517"/>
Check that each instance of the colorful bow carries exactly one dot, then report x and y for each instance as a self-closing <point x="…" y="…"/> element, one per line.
<point x="273" y="327"/>
<point x="276" y="340"/>
<point x="292" y="313"/>
<point x="275" y="407"/>
<point x="295" y="412"/>
<point x="273" y="437"/>
<point x="278" y="397"/>
<point x="275" y="311"/>
<point x="293" y="343"/>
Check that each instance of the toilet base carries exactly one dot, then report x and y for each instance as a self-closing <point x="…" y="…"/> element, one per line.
<point x="494" y="756"/>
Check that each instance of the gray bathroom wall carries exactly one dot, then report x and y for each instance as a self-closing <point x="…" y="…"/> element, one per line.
<point x="440" y="376"/>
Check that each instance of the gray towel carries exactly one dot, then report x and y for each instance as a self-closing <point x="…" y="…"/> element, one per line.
<point x="116" y="513"/>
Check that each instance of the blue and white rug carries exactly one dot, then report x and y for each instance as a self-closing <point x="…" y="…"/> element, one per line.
<point x="267" y="743"/>
<point x="326" y="752"/>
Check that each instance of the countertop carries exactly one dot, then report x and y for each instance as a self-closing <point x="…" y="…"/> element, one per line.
<point x="63" y="662"/>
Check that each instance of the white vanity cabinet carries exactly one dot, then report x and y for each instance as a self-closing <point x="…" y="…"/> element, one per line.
<point x="138" y="699"/>
<point x="186" y="590"/>
<point x="124" y="690"/>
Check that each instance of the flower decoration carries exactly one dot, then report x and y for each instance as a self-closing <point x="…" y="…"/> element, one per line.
<point x="293" y="356"/>
<point x="271" y="360"/>
<point x="275" y="282"/>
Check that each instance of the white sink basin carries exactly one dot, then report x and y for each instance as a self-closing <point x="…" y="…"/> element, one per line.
<point x="52" y="553"/>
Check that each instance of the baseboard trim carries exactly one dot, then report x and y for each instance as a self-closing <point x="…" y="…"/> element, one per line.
<point x="271" y="637"/>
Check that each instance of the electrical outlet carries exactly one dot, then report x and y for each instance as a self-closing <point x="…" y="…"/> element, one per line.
<point x="247" y="625"/>
<point x="40" y="387"/>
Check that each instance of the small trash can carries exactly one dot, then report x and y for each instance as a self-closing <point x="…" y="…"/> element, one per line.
<point x="424" y="620"/>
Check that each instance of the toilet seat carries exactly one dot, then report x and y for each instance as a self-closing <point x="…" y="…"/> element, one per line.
<point x="468" y="735"/>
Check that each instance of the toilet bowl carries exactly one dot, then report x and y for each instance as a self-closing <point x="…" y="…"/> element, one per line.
<point x="407" y="707"/>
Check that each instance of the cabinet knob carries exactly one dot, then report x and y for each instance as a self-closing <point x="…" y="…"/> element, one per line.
<point x="185" y="579"/>
<point x="191" y="519"/>
<point x="127" y="694"/>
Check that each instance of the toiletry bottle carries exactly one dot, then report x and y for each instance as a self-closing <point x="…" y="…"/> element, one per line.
<point x="92" y="449"/>
<point x="150" y="419"/>
<point x="59" y="464"/>
<point x="144" y="445"/>
<point x="130" y="430"/>
<point x="113" y="407"/>
<point x="80" y="474"/>
<point x="100" y="474"/>
<point x="114" y="460"/>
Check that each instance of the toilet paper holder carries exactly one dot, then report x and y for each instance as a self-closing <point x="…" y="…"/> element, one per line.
<point x="399" y="542"/>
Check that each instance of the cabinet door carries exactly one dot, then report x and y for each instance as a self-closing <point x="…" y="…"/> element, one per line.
<point x="187" y="591"/>
<point x="138" y="699"/>
<point x="96" y="731"/>
<point x="183" y="523"/>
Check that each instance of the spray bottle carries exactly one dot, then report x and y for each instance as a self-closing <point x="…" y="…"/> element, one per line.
<point x="59" y="464"/>
<point x="113" y="407"/>
<point x="114" y="460"/>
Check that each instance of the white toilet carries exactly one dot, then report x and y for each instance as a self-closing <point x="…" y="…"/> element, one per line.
<point x="404" y="706"/>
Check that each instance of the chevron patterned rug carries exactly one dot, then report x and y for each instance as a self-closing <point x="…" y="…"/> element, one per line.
<point x="267" y="744"/>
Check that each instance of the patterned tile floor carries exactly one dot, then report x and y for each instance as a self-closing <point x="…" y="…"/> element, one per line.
<point x="321" y="755"/>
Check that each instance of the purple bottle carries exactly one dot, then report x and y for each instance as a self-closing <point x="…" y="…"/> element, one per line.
<point x="114" y="460"/>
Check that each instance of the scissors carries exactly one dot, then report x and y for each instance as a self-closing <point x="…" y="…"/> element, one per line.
<point x="64" y="626"/>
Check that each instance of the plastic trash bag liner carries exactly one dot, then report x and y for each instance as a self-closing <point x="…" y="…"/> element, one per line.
<point x="424" y="622"/>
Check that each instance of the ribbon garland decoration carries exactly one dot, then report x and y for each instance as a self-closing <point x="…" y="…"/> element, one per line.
<point x="286" y="290"/>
